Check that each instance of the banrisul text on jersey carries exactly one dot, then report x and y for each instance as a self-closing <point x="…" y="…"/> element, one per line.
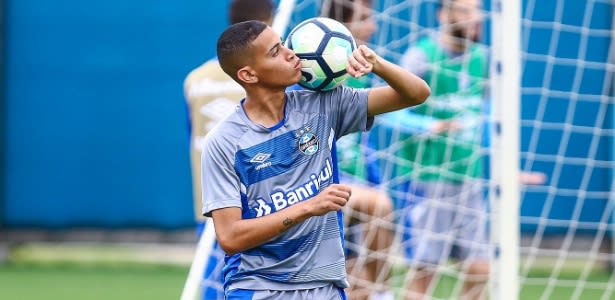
<point x="283" y="199"/>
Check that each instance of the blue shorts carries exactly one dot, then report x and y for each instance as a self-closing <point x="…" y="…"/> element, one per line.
<point x="328" y="292"/>
<point x="444" y="220"/>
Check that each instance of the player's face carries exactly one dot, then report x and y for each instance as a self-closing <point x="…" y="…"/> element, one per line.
<point x="275" y="65"/>
<point x="362" y="25"/>
<point x="464" y="18"/>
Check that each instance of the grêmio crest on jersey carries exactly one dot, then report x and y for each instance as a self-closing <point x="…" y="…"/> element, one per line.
<point x="308" y="142"/>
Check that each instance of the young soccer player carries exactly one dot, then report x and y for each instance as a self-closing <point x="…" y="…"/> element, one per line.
<point x="268" y="179"/>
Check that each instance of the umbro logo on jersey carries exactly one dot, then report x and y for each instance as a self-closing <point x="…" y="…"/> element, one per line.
<point x="261" y="160"/>
<point x="260" y="157"/>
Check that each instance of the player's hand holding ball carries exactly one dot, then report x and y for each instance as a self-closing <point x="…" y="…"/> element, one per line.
<point x="362" y="61"/>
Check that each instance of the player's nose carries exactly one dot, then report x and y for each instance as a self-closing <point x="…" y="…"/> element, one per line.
<point x="290" y="54"/>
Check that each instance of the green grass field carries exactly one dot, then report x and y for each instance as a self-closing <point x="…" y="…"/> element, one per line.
<point x="36" y="273"/>
<point x="67" y="281"/>
<point x="535" y="287"/>
<point x="447" y="286"/>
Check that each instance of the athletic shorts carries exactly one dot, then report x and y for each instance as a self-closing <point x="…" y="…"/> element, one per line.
<point x="443" y="220"/>
<point x="328" y="292"/>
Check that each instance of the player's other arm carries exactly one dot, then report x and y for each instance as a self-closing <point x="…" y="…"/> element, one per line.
<point x="236" y="234"/>
<point x="404" y="88"/>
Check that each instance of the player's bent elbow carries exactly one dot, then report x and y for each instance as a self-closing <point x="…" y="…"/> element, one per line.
<point x="228" y="244"/>
<point x="423" y="92"/>
<point x="228" y="241"/>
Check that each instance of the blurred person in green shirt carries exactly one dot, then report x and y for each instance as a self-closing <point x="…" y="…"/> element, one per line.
<point x="443" y="212"/>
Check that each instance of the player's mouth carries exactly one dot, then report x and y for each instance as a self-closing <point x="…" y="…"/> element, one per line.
<point x="298" y="64"/>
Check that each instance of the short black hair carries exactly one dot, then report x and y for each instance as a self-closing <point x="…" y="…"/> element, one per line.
<point x="246" y="10"/>
<point x="341" y="10"/>
<point x="235" y="42"/>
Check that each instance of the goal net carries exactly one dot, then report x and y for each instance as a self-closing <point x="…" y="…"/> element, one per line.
<point x="542" y="148"/>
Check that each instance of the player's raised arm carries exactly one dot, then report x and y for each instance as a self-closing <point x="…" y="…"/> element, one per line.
<point x="404" y="88"/>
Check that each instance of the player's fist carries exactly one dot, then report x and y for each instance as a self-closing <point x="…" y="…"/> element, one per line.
<point x="362" y="61"/>
<point x="332" y="198"/>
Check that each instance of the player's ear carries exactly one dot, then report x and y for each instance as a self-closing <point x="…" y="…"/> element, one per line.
<point x="247" y="75"/>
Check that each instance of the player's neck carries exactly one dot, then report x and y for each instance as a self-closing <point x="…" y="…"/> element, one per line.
<point x="265" y="108"/>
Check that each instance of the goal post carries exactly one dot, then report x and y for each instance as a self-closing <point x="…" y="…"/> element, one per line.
<point x="282" y="16"/>
<point x="504" y="152"/>
<point x="192" y="287"/>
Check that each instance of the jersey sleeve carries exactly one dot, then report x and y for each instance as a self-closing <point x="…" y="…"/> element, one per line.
<point x="350" y="107"/>
<point x="220" y="183"/>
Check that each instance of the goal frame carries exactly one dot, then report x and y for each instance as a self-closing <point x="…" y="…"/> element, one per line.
<point x="504" y="150"/>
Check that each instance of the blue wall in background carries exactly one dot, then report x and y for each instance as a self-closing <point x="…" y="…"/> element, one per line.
<point x="95" y="116"/>
<point x="574" y="98"/>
